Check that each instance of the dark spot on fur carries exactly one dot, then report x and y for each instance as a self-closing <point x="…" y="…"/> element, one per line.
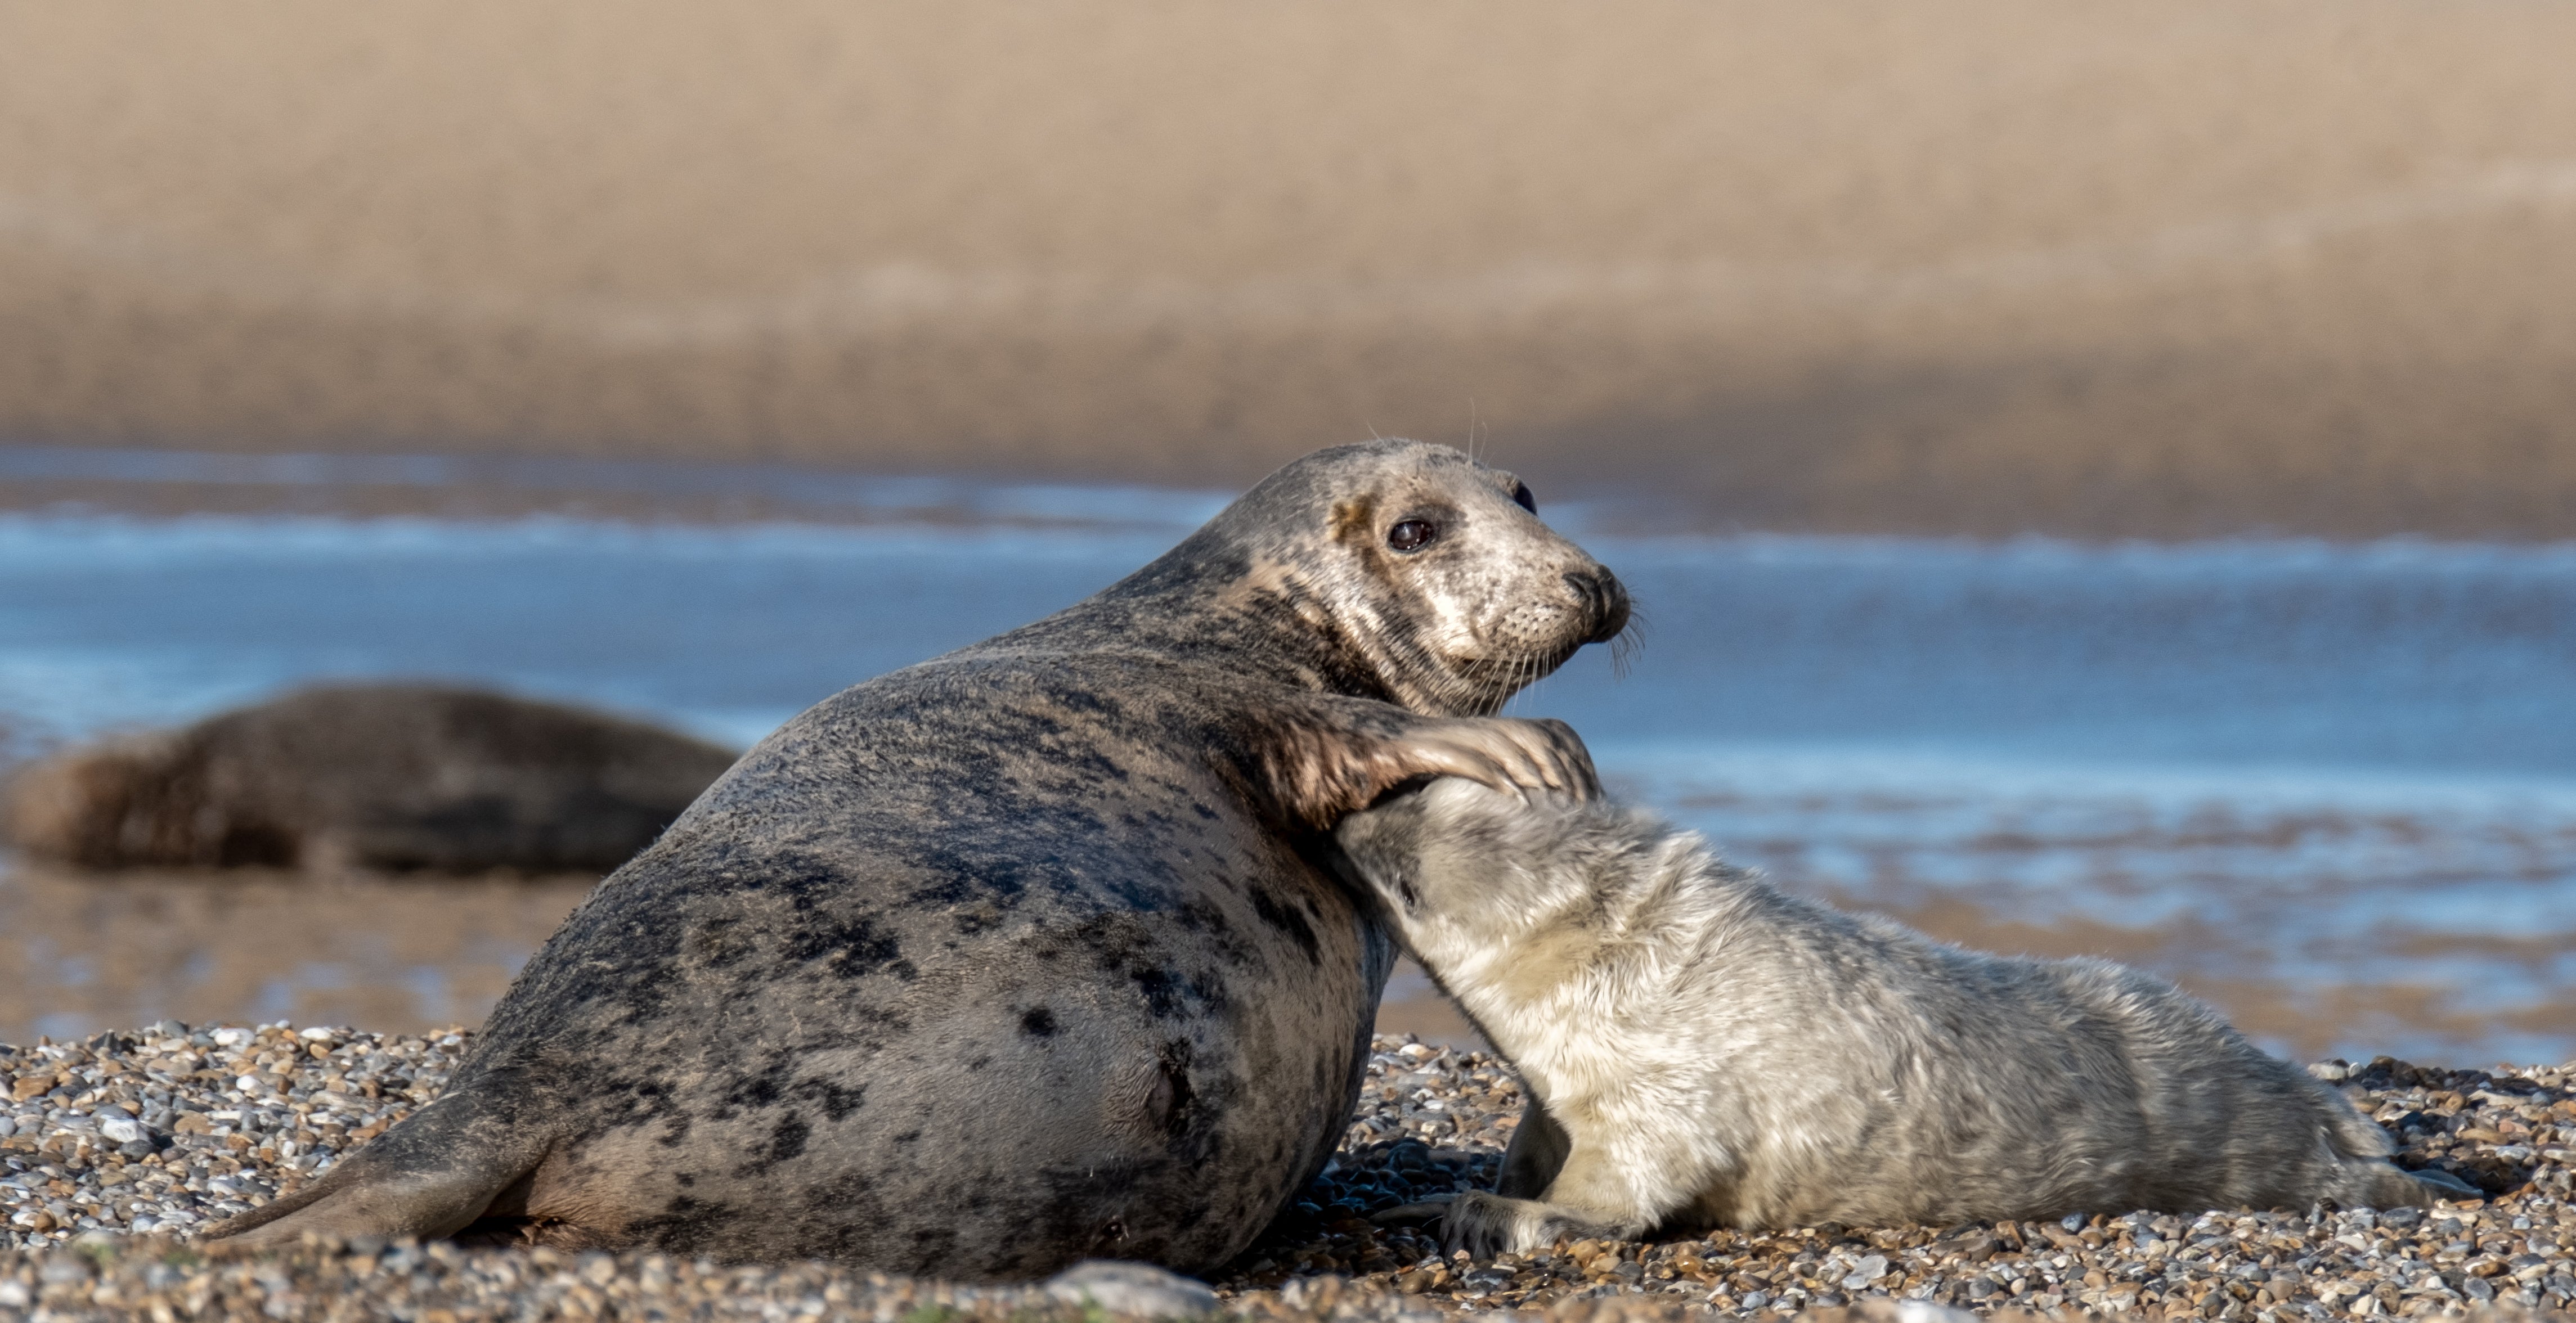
<point x="849" y="948"/>
<point x="1039" y="1022"/>
<point x="1354" y="520"/>
<point x="788" y="1139"/>
<point x="837" y="1102"/>
<point x="1162" y="991"/>
<point x="716" y="943"/>
<point x="685" y="1225"/>
<point x="1286" y="919"/>
<point x="1177" y="1101"/>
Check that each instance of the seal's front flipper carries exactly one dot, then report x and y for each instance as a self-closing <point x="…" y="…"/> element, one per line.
<point x="1326" y="757"/>
<point x="1590" y="1197"/>
<point x="430" y="1176"/>
<point x="1485" y="1225"/>
<point x="1536" y="1154"/>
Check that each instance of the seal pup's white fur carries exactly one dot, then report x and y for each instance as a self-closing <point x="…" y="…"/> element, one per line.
<point x="1701" y="1049"/>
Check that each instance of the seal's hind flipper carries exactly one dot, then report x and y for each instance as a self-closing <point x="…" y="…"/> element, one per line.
<point x="356" y="1201"/>
<point x="430" y="1176"/>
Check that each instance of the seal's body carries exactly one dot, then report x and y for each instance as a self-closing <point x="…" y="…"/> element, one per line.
<point x="1705" y="1051"/>
<point x="1019" y="956"/>
<point x="384" y="776"/>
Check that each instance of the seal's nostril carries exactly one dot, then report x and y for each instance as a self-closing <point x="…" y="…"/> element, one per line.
<point x="1605" y="601"/>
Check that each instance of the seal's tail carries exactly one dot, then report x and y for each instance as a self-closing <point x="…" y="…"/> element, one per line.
<point x="432" y="1175"/>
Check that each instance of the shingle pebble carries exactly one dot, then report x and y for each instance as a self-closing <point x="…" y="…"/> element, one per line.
<point x="118" y="1147"/>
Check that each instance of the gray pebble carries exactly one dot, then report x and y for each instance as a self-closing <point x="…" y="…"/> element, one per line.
<point x="1132" y="1288"/>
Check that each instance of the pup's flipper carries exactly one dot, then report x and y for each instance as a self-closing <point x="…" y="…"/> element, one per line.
<point x="2433" y="1184"/>
<point x="1485" y="1225"/>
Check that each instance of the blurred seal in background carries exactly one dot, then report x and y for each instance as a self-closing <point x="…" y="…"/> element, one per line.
<point x="395" y="777"/>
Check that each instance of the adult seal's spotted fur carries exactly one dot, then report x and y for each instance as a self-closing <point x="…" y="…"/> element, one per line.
<point x="1022" y="955"/>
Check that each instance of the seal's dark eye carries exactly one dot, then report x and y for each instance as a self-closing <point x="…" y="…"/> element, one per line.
<point x="1522" y="498"/>
<point x="1412" y="534"/>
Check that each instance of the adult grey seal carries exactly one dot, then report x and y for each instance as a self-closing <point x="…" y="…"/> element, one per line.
<point x="1701" y="1050"/>
<point x="1022" y="955"/>
<point x="385" y="776"/>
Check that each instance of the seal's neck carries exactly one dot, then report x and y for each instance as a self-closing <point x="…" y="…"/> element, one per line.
<point x="1214" y="602"/>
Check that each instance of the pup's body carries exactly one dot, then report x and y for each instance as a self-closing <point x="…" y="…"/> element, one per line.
<point x="1701" y="1049"/>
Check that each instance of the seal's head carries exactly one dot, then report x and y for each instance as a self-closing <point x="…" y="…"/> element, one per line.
<point x="1428" y="575"/>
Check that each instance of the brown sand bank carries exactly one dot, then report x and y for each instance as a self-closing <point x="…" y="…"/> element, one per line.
<point x="2201" y="266"/>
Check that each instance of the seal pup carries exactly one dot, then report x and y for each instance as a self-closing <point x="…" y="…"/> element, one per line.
<point x="1703" y="1050"/>
<point x="1027" y="954"/>
<point x="385" y="776"/>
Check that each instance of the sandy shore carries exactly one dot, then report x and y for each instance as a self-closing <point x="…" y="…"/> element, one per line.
<point x="2200" y="267"/>
<point x="121" y="1146"/>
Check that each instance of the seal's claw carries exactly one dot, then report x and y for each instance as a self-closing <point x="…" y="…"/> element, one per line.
<point x="1486" y="1224"/>
<point x="1513" y="756"/>
<point x="1572" y="761"/>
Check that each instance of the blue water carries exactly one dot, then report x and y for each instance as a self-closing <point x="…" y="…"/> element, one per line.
<point x="2313" y="768"/>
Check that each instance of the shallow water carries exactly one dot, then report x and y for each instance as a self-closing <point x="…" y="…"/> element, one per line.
<point x="2333" y="788"/>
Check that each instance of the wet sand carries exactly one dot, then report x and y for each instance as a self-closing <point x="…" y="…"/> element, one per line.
<point x="2208" y="266"/>
<point x="82" y="952"/>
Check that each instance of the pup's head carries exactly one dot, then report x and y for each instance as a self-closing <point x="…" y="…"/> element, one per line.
<point x="1456" y="853"/>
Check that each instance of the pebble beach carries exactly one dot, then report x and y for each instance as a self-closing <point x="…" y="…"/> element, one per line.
<point x="119" y="1148"/>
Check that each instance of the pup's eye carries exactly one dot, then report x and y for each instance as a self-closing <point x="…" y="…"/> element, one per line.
<point x="1412" y="534"/>
<point x="1522" y="498"/>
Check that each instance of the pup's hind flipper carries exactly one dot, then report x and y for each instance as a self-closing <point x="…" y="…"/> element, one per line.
<point x="2432" y="1184"/>
<point x="2382" y="1184"/>
<point x="428" y="1177"/>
